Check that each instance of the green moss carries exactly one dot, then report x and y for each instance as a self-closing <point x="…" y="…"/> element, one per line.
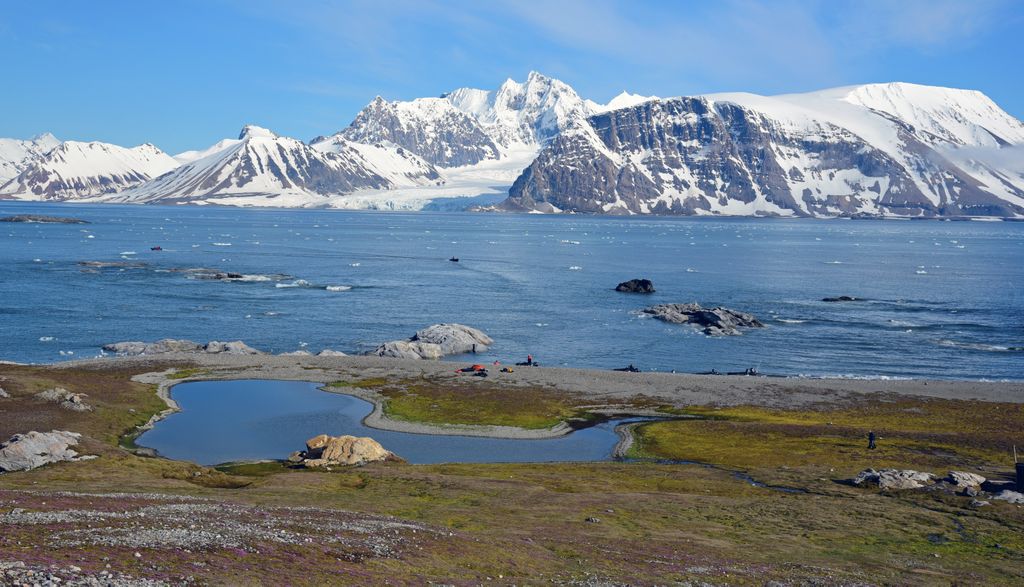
<point x="185" y="373"/>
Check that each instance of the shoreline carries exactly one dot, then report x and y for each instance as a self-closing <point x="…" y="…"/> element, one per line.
<point x="609" y="386"/>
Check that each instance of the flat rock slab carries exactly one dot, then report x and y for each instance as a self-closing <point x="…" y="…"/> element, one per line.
<point x="714" y="321"/>
<point x="24" y="452"/>
<point x="436" y="341"/>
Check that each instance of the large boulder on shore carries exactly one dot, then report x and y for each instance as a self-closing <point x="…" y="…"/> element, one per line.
<point x="636" y="286"/>
<point x="171" y="345"/>
<point x="404" y="349"/>
<point x="434" y="342"/>
<point x="24" y="452"/>
<point x="324" y="450"/>
<point x="894" y="479"/>
<point x="714" y="321"/>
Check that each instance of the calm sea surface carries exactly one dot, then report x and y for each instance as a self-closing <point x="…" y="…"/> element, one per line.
<point x="943" y="299"/>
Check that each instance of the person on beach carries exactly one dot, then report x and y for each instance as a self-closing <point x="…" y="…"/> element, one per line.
<point x="529" y="359"/>
<point x="871" y="440"/>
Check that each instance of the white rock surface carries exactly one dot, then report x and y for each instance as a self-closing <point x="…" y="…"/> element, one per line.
<point x="24" y="452"/>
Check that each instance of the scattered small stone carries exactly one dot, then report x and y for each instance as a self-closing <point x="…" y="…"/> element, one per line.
<point x="593" y="520"/>
<point x="4" y="394"/>
<point x="977" y="503"/>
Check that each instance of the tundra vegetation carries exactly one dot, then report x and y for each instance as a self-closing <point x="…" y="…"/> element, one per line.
<point x="721" y="495"/>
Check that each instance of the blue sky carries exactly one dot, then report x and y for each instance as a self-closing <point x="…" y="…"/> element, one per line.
<point x="183" y="74"/>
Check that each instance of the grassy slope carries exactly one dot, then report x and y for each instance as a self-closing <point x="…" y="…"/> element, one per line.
<point x="528" y="524"/>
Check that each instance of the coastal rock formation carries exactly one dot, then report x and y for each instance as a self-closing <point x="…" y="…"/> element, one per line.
<point x="435" y="342"/>
<point x="24" y="452"/>
<point x="454" y="339"/>
<point x="636" y="286"/>
<point x="170" y="345"/>
<point x="331" y="353"/>
<point x="324" y="450"/>
<point x="235" y="347"/>
<point x="403" y="349"/>
<point x="38" y="219"/>
<point x="894" y="479"/>
<point x="65" y="399"/>
<point x="715" y="321"/>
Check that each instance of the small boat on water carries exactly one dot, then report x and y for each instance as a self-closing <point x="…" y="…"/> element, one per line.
<point x="454" y="259"/>
<point x="156" y="248"/>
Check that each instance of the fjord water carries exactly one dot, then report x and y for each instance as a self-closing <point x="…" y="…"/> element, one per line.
<point x="942" y="299"/>
<point x="224" y="421"/>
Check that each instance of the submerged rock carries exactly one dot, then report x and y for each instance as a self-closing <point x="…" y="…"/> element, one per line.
<point x="39" y="219"/>
<point x="636" y="286"/>
<point x="170" y="345"/>
<point x="435" y="342"/>
<point x="841" y="299"/>
<point x="24" y="452"/>
<point x="894" y="479"/>
<point x="715" y="321"/>
<point x="324" y="450"/>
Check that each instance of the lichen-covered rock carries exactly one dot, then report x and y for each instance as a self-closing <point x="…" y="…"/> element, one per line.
<point x="24" y="452"/>
<point x="4" y="394"/>
<point x="894" y="479"/>
<point x="331" y="353"/>
<point x="715" y="321"/>
<point x="324" y="450"/>
<point x="964" y="480"/>
<point x="65" y="399"/>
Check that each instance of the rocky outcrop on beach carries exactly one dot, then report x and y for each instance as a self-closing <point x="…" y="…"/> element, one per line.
<point x="170" y="345"/>
<point x="324" y="450"/>
<point x="39" y="219"/>
<point x="636" y="286"/>
<point x="714" y="321"/>
<point x="65" y="399"/>
<point x="436" y="341"/>
<point x="24" y="452"/>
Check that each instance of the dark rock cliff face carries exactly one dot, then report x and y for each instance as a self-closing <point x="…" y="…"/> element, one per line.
<point x="692" y="155"/>
<point x="431" y="128"/>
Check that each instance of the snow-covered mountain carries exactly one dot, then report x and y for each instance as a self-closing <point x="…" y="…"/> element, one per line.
<point x="263" y="169"/>
<point x="16" y="154"/>
<point x="880" y="149"/>
<point x="468" y="126"/>
<point x="75" y="170"/>
<point x="429" y="127"/>
<point x="529" y="113"/>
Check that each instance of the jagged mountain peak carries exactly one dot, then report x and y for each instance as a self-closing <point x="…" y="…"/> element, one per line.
<point x="252" y="131"/>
